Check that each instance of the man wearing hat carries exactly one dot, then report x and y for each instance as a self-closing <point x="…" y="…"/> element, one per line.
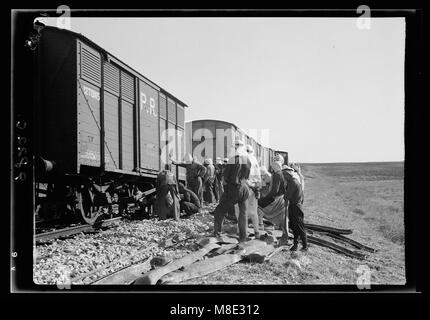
<point x="236" y="191"/>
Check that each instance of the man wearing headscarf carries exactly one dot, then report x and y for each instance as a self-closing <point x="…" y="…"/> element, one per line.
<point x="277" y="190"/>
<point x="236" y="191"/>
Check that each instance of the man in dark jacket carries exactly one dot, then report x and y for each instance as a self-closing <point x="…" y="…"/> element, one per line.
<point x="195" y="173"/>
<point x="189" y="202"/>
<point x="219" y="188"/>
<point x="294" y="197"/>
<point x="236" y="190"/>
<point x="167" y="205"/>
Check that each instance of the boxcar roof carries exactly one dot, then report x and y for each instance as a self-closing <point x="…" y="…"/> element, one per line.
<point x="85" y="39"/>
<point x="213" y="120"/>
<point x="229" y="123"/>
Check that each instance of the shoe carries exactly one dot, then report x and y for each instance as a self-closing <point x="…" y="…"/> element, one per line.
<point x="304" y="248"/>
<point x="294" y="247"/>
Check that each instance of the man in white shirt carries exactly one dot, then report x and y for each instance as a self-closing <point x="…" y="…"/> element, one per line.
<point x="254" y="184"/>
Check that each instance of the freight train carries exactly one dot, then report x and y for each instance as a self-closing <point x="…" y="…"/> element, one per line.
<point x="215" y="138"/>
<point x="103" y="131"/>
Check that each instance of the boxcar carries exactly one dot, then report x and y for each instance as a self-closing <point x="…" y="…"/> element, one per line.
<point x="214" y="138"/>
<point x="98" y="121"/>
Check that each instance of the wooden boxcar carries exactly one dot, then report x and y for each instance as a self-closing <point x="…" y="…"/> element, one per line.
<point x="214" y="138"/>
<point x="98" y="120"/>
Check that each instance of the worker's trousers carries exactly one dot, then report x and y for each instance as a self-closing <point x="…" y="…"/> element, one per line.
<point x="233" y="194"/>
<point x="252" y="213"/>
<point x="208" y="194"/>
<point x="295" y="214"/>
<point x="163" y="210"/>
<point x="196" y="186"/>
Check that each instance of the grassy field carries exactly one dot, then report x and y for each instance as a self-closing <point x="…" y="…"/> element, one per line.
<point x="364" y="197"/>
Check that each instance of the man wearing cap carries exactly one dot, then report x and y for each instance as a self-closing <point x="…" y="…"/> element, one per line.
<point x="254" y="184"/>
<point x="195" y="173"/>
<point x="236" y="191"/>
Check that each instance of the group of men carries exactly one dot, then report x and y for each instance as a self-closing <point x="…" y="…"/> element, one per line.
<point x="238" y="186"/>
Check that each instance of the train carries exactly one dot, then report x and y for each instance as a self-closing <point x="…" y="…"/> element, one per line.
<point x="102" y="130"/>
<point x="208" y="138"/>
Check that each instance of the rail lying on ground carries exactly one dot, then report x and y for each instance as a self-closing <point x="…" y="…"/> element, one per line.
<point x="51" y="235"/>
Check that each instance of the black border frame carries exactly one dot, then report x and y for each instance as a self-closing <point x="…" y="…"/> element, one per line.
<point x="22" y="234"/>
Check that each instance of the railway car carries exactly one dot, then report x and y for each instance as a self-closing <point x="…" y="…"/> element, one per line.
<point x="214" y="138"/>
<point x="100" y="127"/>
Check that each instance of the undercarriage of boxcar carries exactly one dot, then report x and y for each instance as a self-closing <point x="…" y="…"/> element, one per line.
<point x="90" y="196"/>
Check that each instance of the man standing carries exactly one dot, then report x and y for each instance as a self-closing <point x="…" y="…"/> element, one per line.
<point x="195" y="173"/>
<point x="293" y="198"/>
<point x="236" y="191"/>
<point x="219" y="188"/>
<point x="208" y="181"/>
<point x="254" y="184"/>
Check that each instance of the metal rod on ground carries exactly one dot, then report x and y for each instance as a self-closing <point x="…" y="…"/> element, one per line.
<point x="353" y="243"/>
<point x="327" y="228"/>
<point x="335" y="247"/>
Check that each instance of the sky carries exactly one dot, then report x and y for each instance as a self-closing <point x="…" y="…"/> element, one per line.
<point x="325" y="90"/>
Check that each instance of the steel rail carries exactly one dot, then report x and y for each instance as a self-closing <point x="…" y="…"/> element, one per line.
<point x="326" y="228"/>
<point x="335" y="247"/>
<point x="353" y="243"/>
<point x="72" y="230"/>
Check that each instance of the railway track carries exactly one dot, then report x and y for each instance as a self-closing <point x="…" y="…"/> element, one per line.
<point x="65" y="232"/>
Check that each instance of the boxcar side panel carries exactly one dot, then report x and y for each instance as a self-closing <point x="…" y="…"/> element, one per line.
<point x="111" y="129"/>
<point x="149" y="128"/>
<point x="127" y="143"/>
<point x="180" y="123"/>
<point x="89" y="125"/>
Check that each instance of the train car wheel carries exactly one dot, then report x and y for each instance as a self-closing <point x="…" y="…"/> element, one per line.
<point x="88" y="212"/>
